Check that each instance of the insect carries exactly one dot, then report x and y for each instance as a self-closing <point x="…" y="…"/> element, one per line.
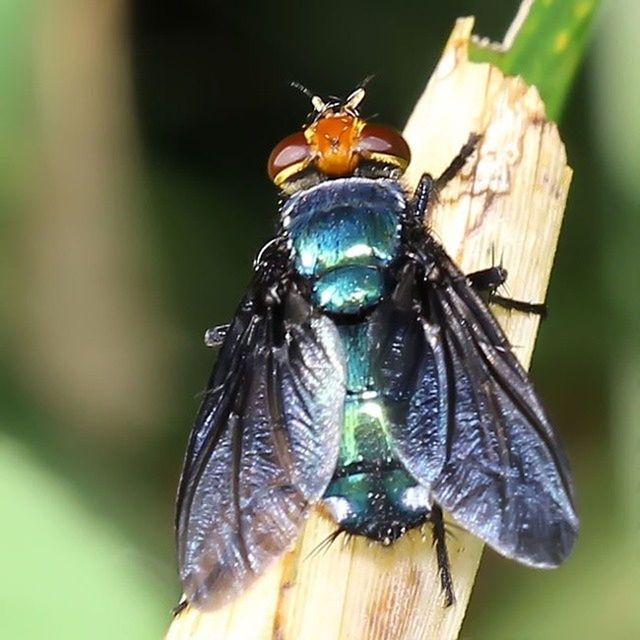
<point x="365" y="372"/>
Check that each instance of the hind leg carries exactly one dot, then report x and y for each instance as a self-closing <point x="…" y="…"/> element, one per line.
<point x="440" y="544"/>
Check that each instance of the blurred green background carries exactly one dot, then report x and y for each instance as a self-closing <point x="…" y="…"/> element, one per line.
<point x="133" y="197"/>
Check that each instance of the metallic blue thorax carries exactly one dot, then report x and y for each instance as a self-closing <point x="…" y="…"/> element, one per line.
<point x="344" y="233"/>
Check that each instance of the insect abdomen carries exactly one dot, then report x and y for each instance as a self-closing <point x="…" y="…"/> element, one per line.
<point x="371" y="493"/>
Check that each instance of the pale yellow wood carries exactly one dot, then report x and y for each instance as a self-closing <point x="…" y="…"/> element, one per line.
<point x="250" y="616"/>
<point x="506" y="206"/>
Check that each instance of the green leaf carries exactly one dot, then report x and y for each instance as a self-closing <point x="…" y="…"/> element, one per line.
<point x="545" y="46"/>
<point x="67" y="572"/>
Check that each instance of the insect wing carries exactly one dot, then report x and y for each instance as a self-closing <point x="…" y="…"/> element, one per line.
<point x="410" y="375"/>
<point x="230" y="359"/>
<point x="506" y="478"/>
<point x="503" y="475"/>
<point x="264" y="447"/>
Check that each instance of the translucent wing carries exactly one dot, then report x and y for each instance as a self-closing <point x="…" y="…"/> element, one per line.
<point x="410" y="374"/>
<point x="485" y="446"/>
<point x="263" y="448"/>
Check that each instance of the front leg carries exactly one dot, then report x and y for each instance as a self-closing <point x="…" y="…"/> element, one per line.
<point x="427" y="184"/>
<point x="485" y="281"/>
<point x="459" y="161"/>
<point x="421" y="199"/>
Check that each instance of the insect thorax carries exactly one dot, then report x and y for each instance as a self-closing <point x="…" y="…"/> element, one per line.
<point x="344" y="234"/>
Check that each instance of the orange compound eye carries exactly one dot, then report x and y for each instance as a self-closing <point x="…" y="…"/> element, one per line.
<point x="290" y="156"/>
<point x="384" y="144"/>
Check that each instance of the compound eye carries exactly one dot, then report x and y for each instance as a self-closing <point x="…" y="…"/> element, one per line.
<point x="290" y="156"/>
<point x="384" y="144"/>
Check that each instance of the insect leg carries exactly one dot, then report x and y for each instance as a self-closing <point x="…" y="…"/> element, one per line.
<point x="440" y="544"/>
<point x="536" y="308"/>
<point x="458" y="162"/>
<point x="427" y="184"/>
<point x="180" y="607"/>
<point x="215" y="336"/>
<point x="421" y="198"/>
<point x="486" y="281"/>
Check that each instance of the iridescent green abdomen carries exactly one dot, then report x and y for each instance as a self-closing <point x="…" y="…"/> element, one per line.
<point x="371" y="493"/>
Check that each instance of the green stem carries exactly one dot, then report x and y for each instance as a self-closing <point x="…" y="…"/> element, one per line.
<point x="545" y="46"/>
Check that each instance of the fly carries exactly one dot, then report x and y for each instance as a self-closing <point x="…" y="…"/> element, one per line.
<point x="364" y="371"/>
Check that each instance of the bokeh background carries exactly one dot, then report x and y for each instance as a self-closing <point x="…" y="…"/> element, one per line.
<point x="133" y="196"/>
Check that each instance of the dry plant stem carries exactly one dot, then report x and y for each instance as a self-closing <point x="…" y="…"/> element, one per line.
<point x="506" y="206"/>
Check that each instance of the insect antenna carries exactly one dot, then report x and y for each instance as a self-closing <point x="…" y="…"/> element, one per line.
<point x="300" y="87"/>
<point x="353" y="100"/>
<point x="319" y="105"/>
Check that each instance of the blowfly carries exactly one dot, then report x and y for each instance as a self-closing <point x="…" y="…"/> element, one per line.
<point x="364" y="371"/>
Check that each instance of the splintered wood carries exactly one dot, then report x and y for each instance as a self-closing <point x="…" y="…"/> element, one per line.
<point x="504" y="208"/>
